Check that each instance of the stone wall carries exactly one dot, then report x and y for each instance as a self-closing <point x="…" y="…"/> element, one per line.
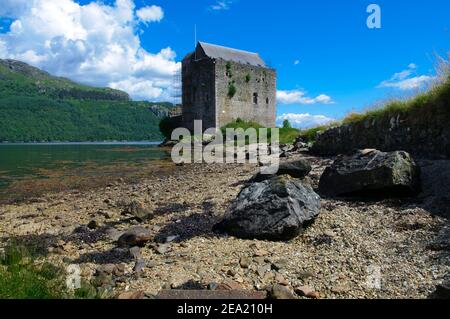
<point x="199" y="93"/>
<point x="248" y="81"/>
<point x="424" y="132"/>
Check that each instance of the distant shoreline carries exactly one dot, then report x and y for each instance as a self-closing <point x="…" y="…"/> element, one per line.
<point x="79" y="143"/>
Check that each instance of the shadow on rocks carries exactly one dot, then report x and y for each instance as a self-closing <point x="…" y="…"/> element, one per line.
<point x="113" y="256"/>
<point x="191" y="285"/>
<point x="172" y="208"/>
<point x="37" y="245"/>
<point x="83" y="234"/>
<point x="186" y="227"/>
<point x="435" y="195"/>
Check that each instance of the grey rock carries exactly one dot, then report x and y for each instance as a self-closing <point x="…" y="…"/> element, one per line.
<point x="296" y="169"/>
<point x="281" y="292"/>
<point x="137" y="209"/>
<point x="286" y="148"/>
<point x="107" y="269"/>
<point x="139" y="266"/>
<point x="162" y="248"/>
<point x="171" y="239"/>
<point x="280" y="264"/>
<point x="371" y="172"/>
<point x="136" y="236"/>
<point x="245" y="262"/>
<point x="135" y="252"/>
<point x="275" y="209"/>
<point x="301" y="145"/>
<point x="213" y="286"/>
<point x="113" y="233"/>
<point x="262" y="270"/>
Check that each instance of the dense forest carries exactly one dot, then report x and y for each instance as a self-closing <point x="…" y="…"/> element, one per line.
<point x="37" y="107"/>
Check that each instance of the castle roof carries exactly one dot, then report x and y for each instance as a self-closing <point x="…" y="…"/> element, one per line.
<point x="228" y="54"/>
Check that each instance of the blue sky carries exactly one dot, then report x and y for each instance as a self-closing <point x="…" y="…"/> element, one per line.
<point x="328" y="61"/>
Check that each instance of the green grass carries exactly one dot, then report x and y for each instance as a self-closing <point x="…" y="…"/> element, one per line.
<point x="241" y="124"/>
<point x="22" y="278"/>
<point x="430" y="106"/>
<point x="310" y="135"/>
<point x="434" y="102"/>
<point x="231" y="90"/>
<point x="287" y="134"/>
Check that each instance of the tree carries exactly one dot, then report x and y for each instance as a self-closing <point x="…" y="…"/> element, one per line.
<point x="287" y="124"/>
<point x="167" y="126"/>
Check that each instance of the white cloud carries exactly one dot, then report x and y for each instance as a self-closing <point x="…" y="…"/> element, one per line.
<point x="407" y="79"/>
<point x="299" y="97"/>
<point x="139" y="88"/>
<point x="305" y="120"/>
<point x="13" y="8"/>
<point x="95" y="43"/>
<point x="221" y="5"/>
<point x="150" y="14"/>
<point x="296" y="62"/>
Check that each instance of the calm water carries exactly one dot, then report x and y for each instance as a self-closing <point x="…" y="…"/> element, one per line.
<point x="29" y="161"/>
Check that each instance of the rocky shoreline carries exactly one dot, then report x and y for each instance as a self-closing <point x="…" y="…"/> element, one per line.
<point x="404" y="241"/>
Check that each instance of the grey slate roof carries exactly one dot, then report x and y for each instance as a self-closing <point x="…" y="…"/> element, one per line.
<point x="234" y="55"/>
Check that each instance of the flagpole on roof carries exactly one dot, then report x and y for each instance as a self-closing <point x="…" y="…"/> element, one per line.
<point x="195" y="41"/>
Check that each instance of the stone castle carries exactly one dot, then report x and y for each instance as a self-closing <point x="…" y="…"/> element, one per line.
<point x="221" y="85"/>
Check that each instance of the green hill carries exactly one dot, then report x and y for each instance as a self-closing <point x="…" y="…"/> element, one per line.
<point x="37" y="107"/>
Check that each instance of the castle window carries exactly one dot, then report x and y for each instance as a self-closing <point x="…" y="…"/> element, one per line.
<point x="255" y="98"/>
<point x="267" y="100"/>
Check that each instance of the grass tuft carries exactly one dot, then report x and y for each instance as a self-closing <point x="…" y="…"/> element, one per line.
<point x="22" y="278"/>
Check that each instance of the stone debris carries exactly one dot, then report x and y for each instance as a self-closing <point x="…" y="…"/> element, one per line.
<point x="131" y="295"/>
<point x="306" y="291"/>
<point x="405" y="240"/>
<point x="211" y="295"/>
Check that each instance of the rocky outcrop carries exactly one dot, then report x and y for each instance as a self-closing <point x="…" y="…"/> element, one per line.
<point x="371" y="172"/>
<point x="296" y="169"/>
<point x="275" y="209"/>
<point x="421" y="132"/>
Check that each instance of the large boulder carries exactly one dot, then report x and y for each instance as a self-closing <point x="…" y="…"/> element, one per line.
<point x="371" y="172"/>
<point x="297" y="169"/>
<point x="275" y="209"/>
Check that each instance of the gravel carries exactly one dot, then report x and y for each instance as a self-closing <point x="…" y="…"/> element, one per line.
<point x="354" y="249"/>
